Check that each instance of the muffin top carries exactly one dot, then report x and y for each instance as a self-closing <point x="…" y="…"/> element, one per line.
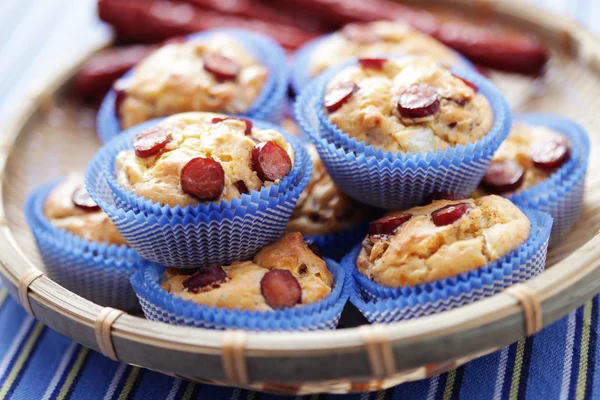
<point x="69" y="207"/>
<point x="408" y="105"/>
<point x="528" y="156"/>
<point x="202" y="157"/>
<point x="281" y="275"/>
<point x="376" y="39"/>
<point x="214" y="73"/>
<point x="443" y="239"/>
<point x="322" y="207"/>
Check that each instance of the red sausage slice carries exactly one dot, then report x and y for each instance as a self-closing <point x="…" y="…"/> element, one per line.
<point x="280" y="289"/>
<point x="550" y="154"/>
<point x="241" y="187"/>
<point x="204" y="278"/>
<point x="248" y="123"/>
<point x="338" y="95"/>
<point x="151" y="141"/>
<point x="418" y="101"/>
<point x="503" y="176"/>
<point x="203" y="178"/>
<point x="222" y="67"/>
<point x="82" y="200"/>
<point x="373" y="63"/>
<point x="359" y="33"/>
<point x="270" y="161"/>
<point x="387" y="225"/>
<point x="449" y="214"/>
<point x="468" y="83"/>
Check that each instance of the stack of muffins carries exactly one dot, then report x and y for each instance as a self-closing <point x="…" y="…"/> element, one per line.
<point x="406" y="169"/>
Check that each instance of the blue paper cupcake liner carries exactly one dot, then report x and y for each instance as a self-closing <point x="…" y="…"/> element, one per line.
<point x="184" y="239"/>
<point x="96" y="271"/>
<point x="379" y="303"/>
<point x="159" y="305"/>
<point x="395" y="180"/>
<point x="269" y="105"/>
<point x="125" y="199"/>
<point x="561" y="195"/>
<point x="336" y="245"/>
<point x="300" y="75"/>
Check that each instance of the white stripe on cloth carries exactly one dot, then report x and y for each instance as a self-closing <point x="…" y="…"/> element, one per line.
<point x="174" y="389"/>
<point x="570" y="342"/>
<point x="60" y="371"/>
<point x="433" y="385"/>
<point x="235" y="395"/>
<point x="501" y="373"/>
<point x="115" y="382"/>
<point x="16" y="344"/>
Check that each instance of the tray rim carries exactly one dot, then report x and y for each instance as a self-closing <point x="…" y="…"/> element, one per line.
<point x="499" y="314"/>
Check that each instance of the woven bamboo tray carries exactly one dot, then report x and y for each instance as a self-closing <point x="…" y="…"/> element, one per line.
<point x="50" y="136"/>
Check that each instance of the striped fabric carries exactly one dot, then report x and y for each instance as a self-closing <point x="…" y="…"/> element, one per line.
<point x="37" y="363"/>
<point x="558" y="363"/>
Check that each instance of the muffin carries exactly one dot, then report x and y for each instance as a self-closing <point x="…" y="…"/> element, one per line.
<point x="408" y="105"/>
<point x="81" y="247"/>
<point x="202" y="157"/>
<point x="230" y="71"/>
<point x="323" y="208"/>
<point x="282" y="275"/>
<point x="445" y="255"/>
<point x="197" y="189"/>
<point x="70" y="208"/>
<point x="286" y="286"/>
<point x="215" y="73"/>
<point x="441" y="240"/>
<point x="542" y="165"/>
<point x="528" y="156"/>
<point x="375" y="39"/>
<point x="405" y="129"/>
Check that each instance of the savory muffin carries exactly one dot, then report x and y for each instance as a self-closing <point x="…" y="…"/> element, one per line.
<point x="528" y="156"/>
<point x="202" y="157"/>
<point x="214" y="73"/>
<point x="282" y="275"/>
<point x="441" y="240"/>
<point x="323" y="208"/>
<point x="376" y="39"/>
<point x="69" y="207"/>
<point x="408" y="105"/>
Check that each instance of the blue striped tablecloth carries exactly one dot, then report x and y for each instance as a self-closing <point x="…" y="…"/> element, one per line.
<point x="37" y="363"/>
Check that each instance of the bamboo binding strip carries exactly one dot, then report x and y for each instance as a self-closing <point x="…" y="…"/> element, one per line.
<point x="26" y="280"/>
<point x="379" y="350"/>
<point x="234" y="357"/>
<point x="102" y="329"/>
<point x="532" y="309"/>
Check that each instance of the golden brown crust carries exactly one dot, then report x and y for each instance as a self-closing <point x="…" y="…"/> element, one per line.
<point x="517" y="145"/>
<point x="194" y="135"/>
<point x="394" y="38"/>
<point x="242" y="289"/>
<point x="420" y="252"/>
<point x="371" y="114"/>
<point x="63" y="214"/>
<point x="173" y="80"/>
<point x="322" y="207"/>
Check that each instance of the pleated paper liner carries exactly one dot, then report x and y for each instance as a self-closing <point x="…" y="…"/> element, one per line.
<point x="160" y="305"/>
<point x="337" y="244"/>
<point x="269" y="105"/>
<point x="97" y="271"/>
<point x="379" y="303"/>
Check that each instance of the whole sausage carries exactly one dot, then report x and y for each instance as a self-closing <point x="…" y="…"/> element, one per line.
<point x="164" y="19"/>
